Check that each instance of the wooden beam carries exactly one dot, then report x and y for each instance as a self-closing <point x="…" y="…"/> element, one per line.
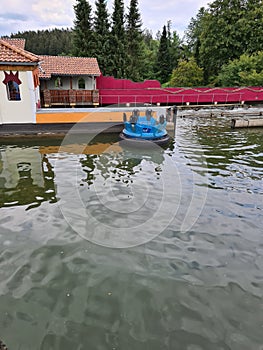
<point x="17" y="68"/>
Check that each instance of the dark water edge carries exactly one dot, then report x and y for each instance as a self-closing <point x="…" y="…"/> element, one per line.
<point x="198" y="284"/>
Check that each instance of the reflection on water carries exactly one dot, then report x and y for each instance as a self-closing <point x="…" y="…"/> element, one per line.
<point x="120" y="165"/>
<point x="27" y="174"/>
<point x="26" y="178"/>
<point x="196" y="285"/>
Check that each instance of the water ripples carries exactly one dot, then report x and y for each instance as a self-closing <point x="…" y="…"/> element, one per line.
<point x="196" y="285"/>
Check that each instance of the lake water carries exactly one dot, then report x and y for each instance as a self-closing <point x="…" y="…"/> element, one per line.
<point x="107" y="247"/>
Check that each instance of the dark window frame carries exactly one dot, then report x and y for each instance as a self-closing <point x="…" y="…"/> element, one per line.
<point x="13" y="91"/>
<point x="81" y="84"/>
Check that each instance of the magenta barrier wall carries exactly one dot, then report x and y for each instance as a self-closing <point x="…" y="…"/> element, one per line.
<point x="122" y="91"/>
<point x="112" y="83"/>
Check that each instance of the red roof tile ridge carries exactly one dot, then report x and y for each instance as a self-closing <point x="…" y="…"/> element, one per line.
<point x="68" y="57"/>
<point x="22" y="52"/>
<point x="68" y="65"/>
<point x="15" y="41"/>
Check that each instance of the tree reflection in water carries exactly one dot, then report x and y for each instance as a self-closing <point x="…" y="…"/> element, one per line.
<point x="122" y="166"/>
<point x="31" y="182"/>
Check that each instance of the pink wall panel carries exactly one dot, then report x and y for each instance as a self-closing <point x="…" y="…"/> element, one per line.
<point x="122" y="91"/>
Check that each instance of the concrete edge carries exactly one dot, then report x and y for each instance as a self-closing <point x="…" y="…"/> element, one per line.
<point x="58" y="129"/>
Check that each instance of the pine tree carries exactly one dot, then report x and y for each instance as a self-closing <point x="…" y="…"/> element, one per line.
<point x="150" y="49"/>
<point x="163" y="67"/>
<point x="118" y="54"/>
<point x="134" y="42"/>
<point x="193" y="34"/>
<point x="169" y="41"/>
<point x="84" y="43"/>
<point x="174" y="44"/>
<point x="47" y="42"/>
<point x="102" y="35"/>
<point x="175" y="50"/>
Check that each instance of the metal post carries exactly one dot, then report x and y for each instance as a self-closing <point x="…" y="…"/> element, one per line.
<point x="174" y="111"/>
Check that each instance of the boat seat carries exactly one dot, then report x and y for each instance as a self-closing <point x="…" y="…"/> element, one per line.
<point x="136" y="113"/>
<point x="148" y="114"/>
<point x="133" y="119"/>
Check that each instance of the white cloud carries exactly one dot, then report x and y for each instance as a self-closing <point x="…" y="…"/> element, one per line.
<point x="34" y="15"/>
<point x="55" y="12"/>
<point x="156" y="15"/>
<point x="20" y="15"/>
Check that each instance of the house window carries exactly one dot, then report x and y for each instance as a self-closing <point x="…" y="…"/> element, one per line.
<point x="12" y="83"/>
<point x="58" y="82"/>
<point x="13" y="92"/>
<point x="81" y="83"/>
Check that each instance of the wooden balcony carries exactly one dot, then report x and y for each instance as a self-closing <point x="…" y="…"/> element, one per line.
<point x="71" y="98"/>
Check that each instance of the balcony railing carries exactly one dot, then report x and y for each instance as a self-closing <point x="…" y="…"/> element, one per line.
<point x="72" y="98"/>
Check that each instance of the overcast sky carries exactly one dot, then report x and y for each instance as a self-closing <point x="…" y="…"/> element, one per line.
<point x="22" y="15"/>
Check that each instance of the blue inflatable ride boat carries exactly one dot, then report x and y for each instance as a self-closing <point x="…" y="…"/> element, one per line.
<point x="144" y="128"/>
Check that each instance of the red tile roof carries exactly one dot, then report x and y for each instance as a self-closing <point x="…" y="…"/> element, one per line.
<point x="65" y="65"/>
<point x="12" y="54"/>
<point x="20" y="43"/>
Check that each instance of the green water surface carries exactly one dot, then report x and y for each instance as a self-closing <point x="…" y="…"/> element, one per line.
<point x="107" y="247"/>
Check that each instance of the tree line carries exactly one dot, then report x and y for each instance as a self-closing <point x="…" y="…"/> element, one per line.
<point x="222" y="45"/>
<point x="52" y="42"/>
<point x="226" y="42"/>
<point x="121" y="47"/>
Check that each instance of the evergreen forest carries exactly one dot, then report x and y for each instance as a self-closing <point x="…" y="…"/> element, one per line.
<point x="222" y="45"/>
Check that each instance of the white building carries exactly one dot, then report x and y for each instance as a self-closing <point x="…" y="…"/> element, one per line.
<point x="19" y="84"/>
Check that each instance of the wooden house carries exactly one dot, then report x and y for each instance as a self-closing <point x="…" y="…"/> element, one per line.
<point x="68" y="81"/>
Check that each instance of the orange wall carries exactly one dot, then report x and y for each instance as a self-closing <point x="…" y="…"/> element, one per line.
<point x="74" y="117"/>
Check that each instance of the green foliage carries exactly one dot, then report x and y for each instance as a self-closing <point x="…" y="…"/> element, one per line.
<point x="193" y="34"/>
<point x="118" y="53"/>
<point x="163" y="60"/>
<point x="245" y="71"/>
<point x="47" y="42"/>
<point x="253" y="26"/>
<point x="84" y="41"/>
<point x="225" y="31"/>
<point x="175" y="50"/>
<point x="102" y="35"/>
<point x="187" y="74"/>
<point x="221" y="36"/>
<point x="135" y="48"/>
<point x="168" y="54"/>
<point x="150" y="50"/>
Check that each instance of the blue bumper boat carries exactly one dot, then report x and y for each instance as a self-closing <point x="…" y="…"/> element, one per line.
<point x="145" y="128"/>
